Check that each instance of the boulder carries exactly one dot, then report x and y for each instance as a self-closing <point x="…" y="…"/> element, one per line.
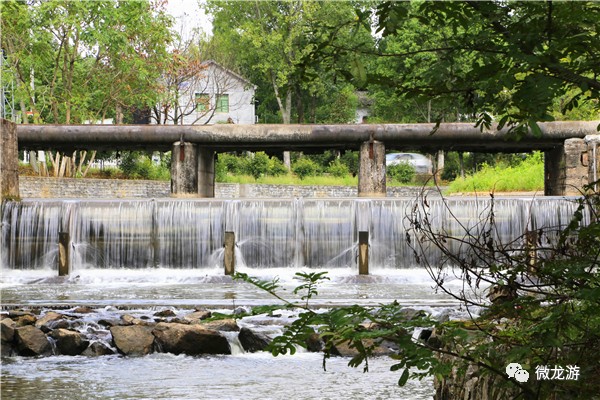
<point x="26" y="319"/>
<point x="315" y="343"/>
<point x="84" y="310"/>
<point x="252" y="341"/>
<point x="68" y="342"/>
<point x="48" y="321"/>
<point x="165" y="313"/>
<point x="31" y="341"/>
<point x="197" y="316"/>
<point x="128" y="319"/>
<point x="7" y="327"/>
<point x="226" y="325"/>
<point x="189" y="339"/>
<point x="97" y="349"/>
<point x="381" y="349"/>
<point x="133" y="339"/>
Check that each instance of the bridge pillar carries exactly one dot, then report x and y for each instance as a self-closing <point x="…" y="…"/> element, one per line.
<point x="566" y="168"/>
<point x="206" y="172"/>
<point x="371" y="169"/>
<point x="9" y="160"/>
<point x="593" y="144"/>
<point x="192" y="171"/>
<point x="184" y="169"/>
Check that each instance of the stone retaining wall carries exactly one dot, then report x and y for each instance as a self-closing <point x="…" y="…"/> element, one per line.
<point x="39" y="187"/>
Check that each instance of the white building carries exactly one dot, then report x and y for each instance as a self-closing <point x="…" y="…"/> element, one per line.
<point x="217" y="95"/>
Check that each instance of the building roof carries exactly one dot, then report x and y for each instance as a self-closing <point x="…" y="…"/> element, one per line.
<point x="238" y="76"/>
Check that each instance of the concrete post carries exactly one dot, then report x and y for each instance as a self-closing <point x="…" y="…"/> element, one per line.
<point x="593" y="145"/>
<point x="9" y="160"/>
<point x="206" y="172"/>
<point x="64" y="259"/>
<point x="229" y="255"/>
<point x="363" y="253"/>
<point x="184" y="169"/>
<point x="371" y="170"/>
<point x="566" y="169"/>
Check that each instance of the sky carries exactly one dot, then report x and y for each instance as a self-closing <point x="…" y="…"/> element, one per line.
<point x="188" y="15"/>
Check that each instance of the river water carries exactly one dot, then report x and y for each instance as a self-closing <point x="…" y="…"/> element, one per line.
<point x="239" y="376"/>
<point x="144" y="256"/>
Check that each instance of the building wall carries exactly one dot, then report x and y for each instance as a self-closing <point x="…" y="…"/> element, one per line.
<point x="218" y="81"/>
<point x="40" y="187"/>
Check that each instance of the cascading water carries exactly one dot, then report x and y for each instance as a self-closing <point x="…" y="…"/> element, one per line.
<point x="313" y="233"/>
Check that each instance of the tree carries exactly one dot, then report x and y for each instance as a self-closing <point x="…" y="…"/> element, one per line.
<point x="77" y="61"/>
<point x="508" y="60"/>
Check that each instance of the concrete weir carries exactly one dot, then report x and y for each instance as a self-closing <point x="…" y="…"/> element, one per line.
<point x="194" y="147"/>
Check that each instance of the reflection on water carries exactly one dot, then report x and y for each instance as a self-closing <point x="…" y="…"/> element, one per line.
<point x="166" y="376"/>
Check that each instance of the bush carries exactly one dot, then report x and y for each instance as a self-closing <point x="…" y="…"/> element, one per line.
<point x="276" y="167"/>
<point x="137" y="165"/>
<point x="305" y="167"/>
<point x="338" y="169"/>
<point x="231" y="163"/>
<point x="350" y="158"/>
<point x="402" y="172"/>
<point x="258" y="165"/>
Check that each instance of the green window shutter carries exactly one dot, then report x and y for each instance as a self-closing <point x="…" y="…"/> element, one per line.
<point x="202" y="102"/>
<point x="222" y="103"/>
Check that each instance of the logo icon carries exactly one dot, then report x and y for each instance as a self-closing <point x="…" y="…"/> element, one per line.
<point x="514" y="370"/>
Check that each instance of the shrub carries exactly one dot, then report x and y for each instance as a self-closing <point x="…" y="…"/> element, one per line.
<point x="276" y="167"/>
<point x="402" y="172"/>
<point x="350" y="158"/>
<point x="338" y="169"/>
<point x="305" y="167"/>
<point x="258" y="164"/>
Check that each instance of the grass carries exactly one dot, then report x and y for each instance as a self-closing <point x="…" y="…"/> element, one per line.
<point x="528" y="176"/>
<point x="289" y="179"/>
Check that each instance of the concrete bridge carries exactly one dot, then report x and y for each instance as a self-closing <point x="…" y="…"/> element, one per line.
<point x="570" y="147"/>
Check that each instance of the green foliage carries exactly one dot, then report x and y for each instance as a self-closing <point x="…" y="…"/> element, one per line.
<point x="258" y="164"/>
<point x="350" y="158"/>
<point x="525" y="175"/>
<point x="549" y="315"/>
<point x="401" y="172"/>
<point x="305" y="167"/>
<point x="338" y="168"/>
<point x="137" y="165"/>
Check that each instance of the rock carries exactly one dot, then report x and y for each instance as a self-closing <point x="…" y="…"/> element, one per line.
<point x="7" y="348"/>
<point x="165" y="313"/>
<point x="189" y="339"/>
<point x="197" y="316"/>
<point x="97" y="349"/>
<point x="26" y="319"/>
<point x="425" y="334"/>
<point x="31" y="341"/>
<point x="83" y="310"/>
<point x="343" y="349"/>
<point x="226" y="325"/>
<point x="133" y="339"/>
<point x="68" y="342"/>
<point x="252" y="341"/>
<point x="107" y="323"/>
<point x="48" y="321"/>
<point x="8" y="327"/>
<point x="131" y="320"/>
<point x="315" y="343"/>
<point x="410" y="314"/>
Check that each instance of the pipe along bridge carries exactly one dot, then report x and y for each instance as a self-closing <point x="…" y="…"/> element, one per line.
<point x="571" y="147"/>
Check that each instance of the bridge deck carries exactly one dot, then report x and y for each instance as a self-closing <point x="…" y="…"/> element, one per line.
<point x="449" y="136"/>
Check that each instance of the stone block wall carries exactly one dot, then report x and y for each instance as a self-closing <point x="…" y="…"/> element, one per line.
<point x="41" y="187"/>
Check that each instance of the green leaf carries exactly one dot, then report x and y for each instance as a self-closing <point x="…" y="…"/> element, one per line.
<point x="403" y="378"/>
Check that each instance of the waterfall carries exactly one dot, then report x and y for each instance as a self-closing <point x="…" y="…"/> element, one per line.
<point x="313" y="233"/>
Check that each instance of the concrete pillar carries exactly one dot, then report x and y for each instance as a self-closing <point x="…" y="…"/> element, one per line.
<point x="593" y="145"/>
<point x="206" y="172"/>
<point x="371" y="170"/>
<point x="192" y="171"/>
<point x="229" y="255"/>
<point x="363" y="253"/>
<point x="64" y="258"/>
<point x="566" y="169"/>
<point x="184" y="169"/>
<point x="9" y="160"/>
